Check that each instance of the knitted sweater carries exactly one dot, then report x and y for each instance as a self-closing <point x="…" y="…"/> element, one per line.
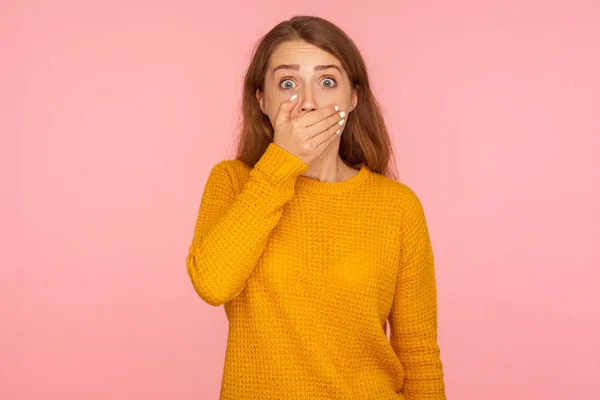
<point x="310" y="273"/>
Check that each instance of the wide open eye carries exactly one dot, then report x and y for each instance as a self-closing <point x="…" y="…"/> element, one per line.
<point x="330" y="79"/>
<point x="286" y="85"/>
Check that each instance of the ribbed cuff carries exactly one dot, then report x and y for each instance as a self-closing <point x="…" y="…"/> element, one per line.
<point x="280" y="165"/>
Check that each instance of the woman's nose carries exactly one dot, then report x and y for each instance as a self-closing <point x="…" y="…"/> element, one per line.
<point x="307" y="101"/>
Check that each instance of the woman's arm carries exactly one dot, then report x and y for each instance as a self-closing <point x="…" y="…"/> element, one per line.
<point x="232" y="231"/>
<point x="413" y="317"/>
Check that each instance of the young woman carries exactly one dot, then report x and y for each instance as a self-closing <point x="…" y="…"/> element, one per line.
<point x="308" y="243"/>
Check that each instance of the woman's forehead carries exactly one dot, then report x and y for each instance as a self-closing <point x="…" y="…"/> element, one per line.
<point x="301" y="53"/>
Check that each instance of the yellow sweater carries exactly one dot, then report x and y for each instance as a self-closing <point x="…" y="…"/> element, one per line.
<point x="309" y="273"/>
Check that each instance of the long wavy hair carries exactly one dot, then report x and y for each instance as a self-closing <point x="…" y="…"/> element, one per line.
<point x="365" y="139"/>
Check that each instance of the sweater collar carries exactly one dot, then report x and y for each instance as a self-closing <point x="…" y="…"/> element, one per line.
<point x="314" y="185"/>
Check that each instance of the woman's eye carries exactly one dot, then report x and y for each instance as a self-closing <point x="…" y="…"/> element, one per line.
<point x="332" y="84"/>
<point x="287" y="86"/>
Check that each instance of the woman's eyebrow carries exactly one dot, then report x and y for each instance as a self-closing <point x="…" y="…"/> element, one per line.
<point x="297" y="67"/>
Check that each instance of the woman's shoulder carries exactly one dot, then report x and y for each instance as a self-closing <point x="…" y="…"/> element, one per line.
<point x="396" y="188"/>
<point x="234" y="171"/>
<point x="232" y="167"/>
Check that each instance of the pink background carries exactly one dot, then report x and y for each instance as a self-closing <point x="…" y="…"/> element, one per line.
<point x="113" y="113"/>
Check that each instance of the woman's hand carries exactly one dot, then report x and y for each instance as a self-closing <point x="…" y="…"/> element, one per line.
<point x="309" y="135"/>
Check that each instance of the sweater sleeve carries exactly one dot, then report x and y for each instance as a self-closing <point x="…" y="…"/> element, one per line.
<point x="232" y="230"/>
<point x="413" y="317"/>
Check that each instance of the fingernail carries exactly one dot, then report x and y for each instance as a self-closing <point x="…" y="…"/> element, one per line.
<point x="294" y="97"/>
<point x="342" y="114"/>
<point x="338" y="131"/>
<point x="341" y="122"/>
<point x="336" y="108"/>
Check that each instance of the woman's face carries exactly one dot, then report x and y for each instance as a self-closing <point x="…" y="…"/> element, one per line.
<point x="299" y="67"/>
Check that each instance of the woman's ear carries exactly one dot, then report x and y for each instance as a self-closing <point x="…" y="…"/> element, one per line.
<point x="261" y="100"/>
<point x="354" y="98"/>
